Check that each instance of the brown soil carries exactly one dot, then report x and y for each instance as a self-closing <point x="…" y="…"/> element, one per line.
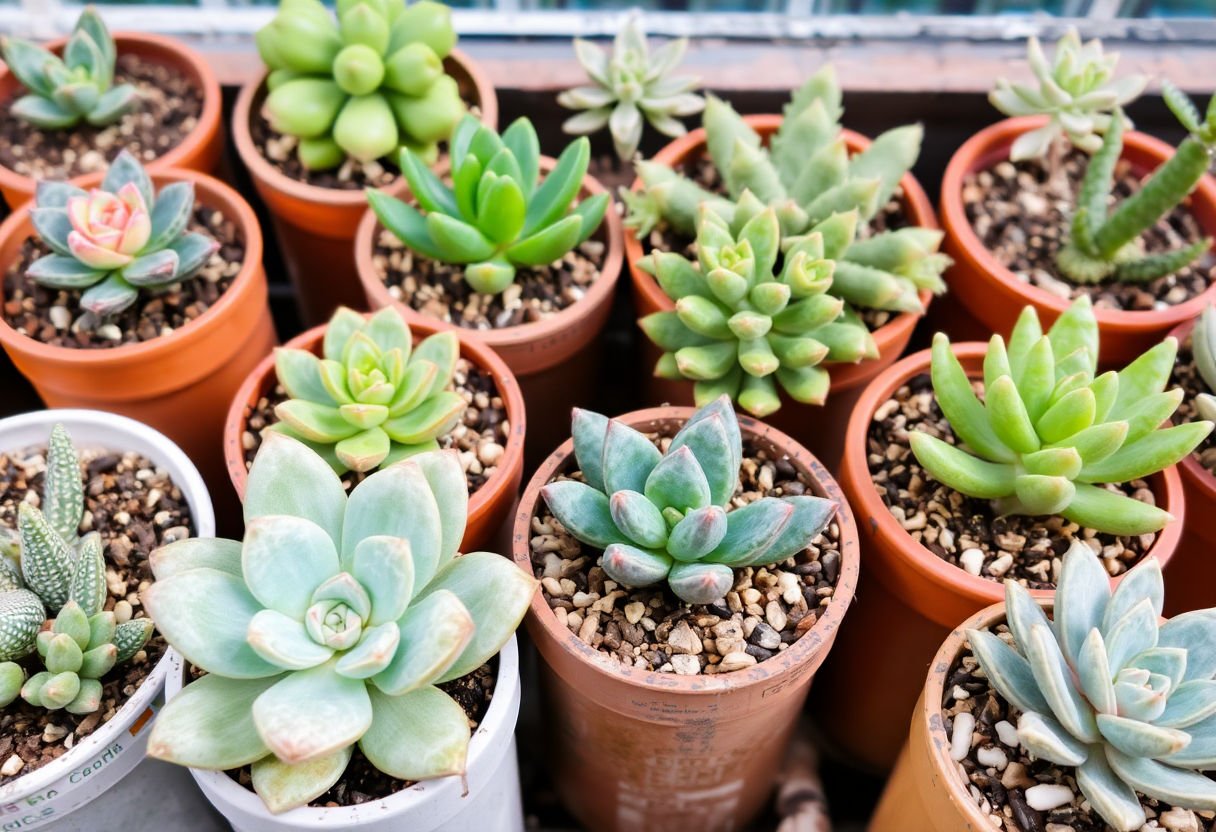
<point x="169" y="109"/>
<point x="1186" y="376"/>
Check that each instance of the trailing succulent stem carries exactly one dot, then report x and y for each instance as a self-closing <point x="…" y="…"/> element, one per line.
<point x="1203" y="351"/>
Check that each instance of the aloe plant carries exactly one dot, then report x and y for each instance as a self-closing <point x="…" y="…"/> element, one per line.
<point x="667" y="516"/>
<point x="1051" y="430"/>
<point x="1203" y="351"/>
<point x="330" y="625"/>
<point x="498" y="215"/>
<point x="1106" y="690"/>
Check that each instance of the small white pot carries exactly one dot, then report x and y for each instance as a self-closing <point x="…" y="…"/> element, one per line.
<point x="491" y="802"/>
<point x="104" y="757"/>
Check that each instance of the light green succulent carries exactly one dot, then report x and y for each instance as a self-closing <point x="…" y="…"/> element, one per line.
<point x="1050" y="431"/>
<point x="62" y="92"/>
<point x="373" y="398"/>
<point x="629" y="87"/>
<point x="667" y="517"/>
<point x="1105" y="689"/>
<point x="331" y="626"/>
<point x="1203" y="351"/>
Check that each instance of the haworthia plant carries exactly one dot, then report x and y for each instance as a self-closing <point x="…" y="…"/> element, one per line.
<point x="667" y="517"/>
<point x="1126" y="703"/>
<point x="372" y="398"/>
<point x="1050" y="431"/>
<point x="1203" y="351"/>
<point x="331" y="626"/>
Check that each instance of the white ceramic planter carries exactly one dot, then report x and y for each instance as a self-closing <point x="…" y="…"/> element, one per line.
<point x="491" y="802"/>
<point x="109" y="753"/>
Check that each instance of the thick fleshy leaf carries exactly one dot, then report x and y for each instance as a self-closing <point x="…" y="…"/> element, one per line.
<point x="196" y="553"/>
<point x="1131" y="635"/>
<point x="282" y="463"/>
<point x="170" y="214"/>
<point x="284" y="559"/>
<point x="639" y="519"/>
<point x="1055" y="682"/>
<point x="1174" y="786"/>
<point x="1096" y="508"/>
<point x="697" y="534"/>
<point x="1143" y="581"/>
<point x="711" y="443"/>
<point x="1047" y="739"/>
<point x="677" y="481"/>
<point x="589" y="431"/>
<point x="1194" y="632"/>
<point x="632" y="567"/>
<point x="1082" y="594"/>
<point x="1113" y="799"/>
<point x="751" y="530"/>
<point x="418" y="736"/>
<point x="1095" y="675"/>
<point x="1189" y="703"/>
<point x="1201" y="752"/>
<point x="811" y="515"/>
<point x="628" y="458"/>
<point x="312" y="713"/>
<point x="193" y="250"/>
<point x="397" y="502"/>
<point x="284" y="642"/>
<point x="700" y="583"/>
<point x="1141" y="739"/>
<point x="283" y="786"/>
<point x="958" y="402"/>
<point x="584" y="511"/>
<point x="433" y="633"/>
<point x="431" y="419"/>
<point x="299" y="371"/>
<point x="209" y="724"/>
<point x="59" y="271"/>
<point x="960" y="470"/>
<point x="1009" y="672"/>
<point x="384" y="567"/>
<point x="376" y="648"/>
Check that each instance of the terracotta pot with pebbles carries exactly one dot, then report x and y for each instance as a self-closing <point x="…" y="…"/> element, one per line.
<point x="139" y="491"/>
<point x="673" y="674"/>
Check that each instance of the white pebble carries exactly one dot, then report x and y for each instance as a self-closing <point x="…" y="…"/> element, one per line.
<point x="1001" y="565"/>
<point x="1047" y="796"/>
<point x="1007" y="734"/>
<point x="972" y="560"/>
<point x="12" y="765"/>
<point x="992" y="757"/>
<point x="960" y="737"/>
<point x="960" y="693"/>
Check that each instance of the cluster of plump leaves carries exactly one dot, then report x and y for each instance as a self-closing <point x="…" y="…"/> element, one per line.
<point x="631" y="86"/>
<point x="1049" y="430"/>
<point x="668" y="516"/>
<point x="1077" y="91"/>
<point x="372" y="398"/>
<point x="498" y="215"/>
<point x="1203" y="351"/>
<point x="62" y="92"/>
<point x="150" y="250"/>
<point x="331" y="625"/>
<point x="1107" y="690"/>
<point x="361" y="86"/>
<point x="58" y="571"/>
<point x="742" y="327"/>
<point x="807" y="177"/>
<point x="1102" y="245"/>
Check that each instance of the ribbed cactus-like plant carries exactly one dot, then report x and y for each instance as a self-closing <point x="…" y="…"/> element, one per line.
<point x="1050" y="430"/>
<point x="1203" y="351"/>
<point x="373" y="398"/>
<point x="1105" y="689"/>
<point x="667" y="517"/>
<point x="331" y="625"/>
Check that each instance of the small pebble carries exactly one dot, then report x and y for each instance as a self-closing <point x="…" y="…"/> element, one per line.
<point x="992" y="757"/>
<point x="972" y="560"/>
<point x="12" y="765"/>
<point x="1007" y="734"/>
<point x="960" y="736"/>
<point x="1047" y="796"/>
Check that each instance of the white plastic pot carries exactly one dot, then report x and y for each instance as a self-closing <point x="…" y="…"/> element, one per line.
<point x="490" y="803"/>
<point x="106" y="756"/>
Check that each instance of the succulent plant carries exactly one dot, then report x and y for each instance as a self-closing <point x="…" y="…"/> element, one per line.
<point x="1077" y="90"/>
<point x="498" y="215"/>
<point x="741" y="330"/>
<point x="1103" y="245"/>
<point x="1049" y="431"/>
<point x="1106" y="689"/>
<point x="361" y="86"/>
<point x="111" y="242"/>
<point x="629" y="87"/>
<point x="807" y="177"/>
<point x="373" y="398"/>
<point x="1203" y="350"/>
<point x="62" y="92"/>
<point x="330" y="625"/>
<point x="668" y="516"/>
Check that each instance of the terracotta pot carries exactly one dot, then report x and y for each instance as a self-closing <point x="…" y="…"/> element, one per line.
<point x="489" y="508"/>
<point x="638" y="750"/>
<point x="987" y="297"/>
<point x="823" y="431"/>
<point x="179" y="384"/>
<point x="200" y="150"/>
<point x="314" y="226"/>
<point x="555" y="359"/>
<point x="908" y="591"/>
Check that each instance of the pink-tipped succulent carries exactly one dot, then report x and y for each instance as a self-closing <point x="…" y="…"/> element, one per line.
<point x="108" y="229"/>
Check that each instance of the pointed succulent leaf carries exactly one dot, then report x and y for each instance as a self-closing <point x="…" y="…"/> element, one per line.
<point x="312" y="713"/>
<point x="633" y="567"/>
<point x="418" y="736"/>
<point x="432" y="635"/>
<point x="273" y="488"/>
<point x="283" y="786"/>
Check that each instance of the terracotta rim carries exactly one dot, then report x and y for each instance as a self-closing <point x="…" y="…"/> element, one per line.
<point x="263" y="171"/>
<point x="190" y="63"/>
<point x="258" y="382"/>
<point x="210" y="192"/>
<point x="916" y="203"/>
<point x="1166" y="485"/>
<point x="990" y="146"/>
<point x="1195" y="474"/>
<point x="814" y="639"/>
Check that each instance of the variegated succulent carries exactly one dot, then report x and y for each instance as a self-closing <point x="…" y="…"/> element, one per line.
<point x="1103" y="688"/>
<point x="331" y="625"/>
<point x="1203" y="351"/>
<point x="668" y="516"/>
<point x="373" y="398"/>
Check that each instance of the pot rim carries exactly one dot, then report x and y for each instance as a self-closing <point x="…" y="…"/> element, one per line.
<point x="803" y="649"/>
<point x="1166" y="484"/>
<point x="992" y="143"/>
<point x="212" y="193"/>
<point x="498" y="723"/>
<point x="189" y="60"/>
<point x="1192" y="471"/>
<point x="163" y="452"/>
<point x="263" y="171"/>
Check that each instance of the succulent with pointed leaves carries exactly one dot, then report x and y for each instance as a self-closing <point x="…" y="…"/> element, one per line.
<point x="113" y="241"/>
<point x="667" y="517"/>
<point x="330" y="625"/>
<point x="62" y="92"/>
<point x="1106" y="689"/>
<point x="373" y="398"/>
<point x="1102" y="245"/>
<point x="631" y="86"/>
<point x="1203" y="351"/>
<point x="498" y="215"/>
<point x="1050" y="431"/>
<point x="361" y="86"/>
